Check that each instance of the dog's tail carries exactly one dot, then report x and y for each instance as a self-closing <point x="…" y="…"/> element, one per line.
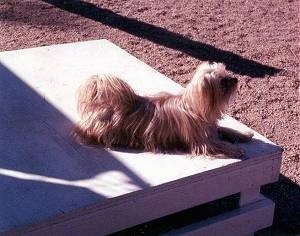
<point x="103" y="90"/>
<point x="98" y="101"/>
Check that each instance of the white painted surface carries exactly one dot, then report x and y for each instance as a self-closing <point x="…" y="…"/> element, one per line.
<point x="43" y="173"/>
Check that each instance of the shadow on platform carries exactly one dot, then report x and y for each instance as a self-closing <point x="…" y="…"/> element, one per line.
<point x="42" y="172"/>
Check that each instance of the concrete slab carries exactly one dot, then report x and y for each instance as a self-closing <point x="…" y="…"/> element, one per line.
<point x="45" y="175"/>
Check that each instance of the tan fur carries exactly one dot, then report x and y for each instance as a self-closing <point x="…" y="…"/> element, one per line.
<point x="113" y="115"/>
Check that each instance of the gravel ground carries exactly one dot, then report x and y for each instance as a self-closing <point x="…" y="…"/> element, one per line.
<point x="257" y="40"/>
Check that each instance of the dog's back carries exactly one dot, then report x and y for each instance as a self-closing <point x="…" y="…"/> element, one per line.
<point x="113" y="115"/>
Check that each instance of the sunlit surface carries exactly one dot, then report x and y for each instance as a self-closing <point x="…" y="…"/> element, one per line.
<point x="106" y="184"/>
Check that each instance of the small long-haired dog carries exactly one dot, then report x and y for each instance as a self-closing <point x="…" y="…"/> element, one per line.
<point x="113" y="115"/>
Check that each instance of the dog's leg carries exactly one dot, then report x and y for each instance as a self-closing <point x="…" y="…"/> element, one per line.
<point x="222" y="149"/>
<point x="218" y="149"/>
<point x="234" y="136"/>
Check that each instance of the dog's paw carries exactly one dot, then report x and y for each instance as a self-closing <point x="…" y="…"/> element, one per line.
<point x="238" y="153"/>
<point x="234" y="136"/>
<point x="247" y="136"/>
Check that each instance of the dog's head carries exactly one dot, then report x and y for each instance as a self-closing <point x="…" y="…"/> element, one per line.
<point x="210" y="90"/>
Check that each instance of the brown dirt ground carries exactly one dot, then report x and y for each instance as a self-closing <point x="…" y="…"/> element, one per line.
<point x="257" y="40"/>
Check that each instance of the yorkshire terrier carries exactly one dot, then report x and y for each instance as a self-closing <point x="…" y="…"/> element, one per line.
<point x="113" y="115"/>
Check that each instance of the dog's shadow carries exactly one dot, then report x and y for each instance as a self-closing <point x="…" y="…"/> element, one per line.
<point x="164" y="37"/>
<point x="254" y="148"/>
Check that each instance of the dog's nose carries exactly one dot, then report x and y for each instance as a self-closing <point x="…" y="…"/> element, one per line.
<point x="231" y="80"/>
<point x="234" y="80"/>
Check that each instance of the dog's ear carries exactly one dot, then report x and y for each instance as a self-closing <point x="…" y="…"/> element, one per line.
<point x="205" y="83"/>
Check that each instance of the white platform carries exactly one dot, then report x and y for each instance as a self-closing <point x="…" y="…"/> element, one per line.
<point x="53" y="186"/>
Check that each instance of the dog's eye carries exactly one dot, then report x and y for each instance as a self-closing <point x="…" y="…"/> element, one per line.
<point x="227" y="82"/>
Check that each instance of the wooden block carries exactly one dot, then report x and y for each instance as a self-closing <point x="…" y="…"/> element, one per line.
<point x="243" y="221"/>
<point x="249" y="195"/>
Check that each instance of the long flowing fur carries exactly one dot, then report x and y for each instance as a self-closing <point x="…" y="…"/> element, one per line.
<point x="113" y="115"/>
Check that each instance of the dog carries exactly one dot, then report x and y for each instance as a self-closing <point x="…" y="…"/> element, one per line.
<point x="112" y="115"/>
